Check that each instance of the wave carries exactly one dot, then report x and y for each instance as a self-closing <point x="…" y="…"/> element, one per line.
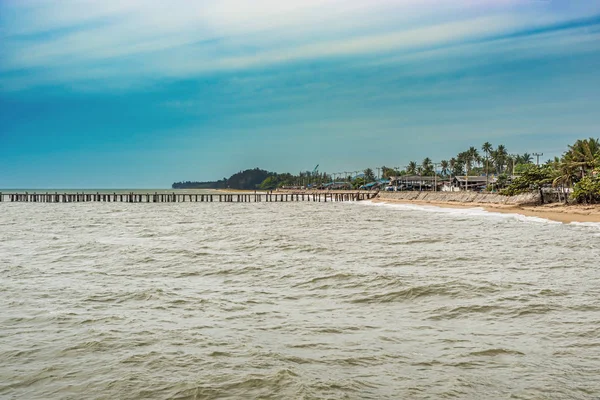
<point x="595" y="225"/>
<point x="496" y="352"/>
<point x="465" y="212"/>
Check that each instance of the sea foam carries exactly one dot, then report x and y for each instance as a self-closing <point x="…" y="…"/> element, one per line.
<point x="469" y="212"/>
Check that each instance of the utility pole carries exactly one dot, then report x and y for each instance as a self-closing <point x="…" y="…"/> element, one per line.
<point x="514" y="162"/>
<point x="378" y="168"/>
<point x="397" y="169"/>
<point x="537" y="155"/>
<point x="435" y="176"/>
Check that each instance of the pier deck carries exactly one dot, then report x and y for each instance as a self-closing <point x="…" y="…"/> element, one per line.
<point x="181" y="197"/>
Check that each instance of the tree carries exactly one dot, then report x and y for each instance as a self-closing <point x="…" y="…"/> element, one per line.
<point x="388" y="172"/>
<point x="467" y="158"/>
<point x="584" y="155"/>
<point x="502" y="181"/>
<point x="587" y="190"/>
<point x="511" y="161"/>
<point x="445" y="166"/>
<point x="563" y="177"/>
<point x="427" y="166"/>
<point x="456" y="166"/>
<point x="499" y="156"/>
<point x="358" y="182"/>
<point x="411" y="168"/>
<point x="533" y="178"/>
<point x="369" y="175"/>
<point x="487" y="149"/>
<point x="269" y="183"/>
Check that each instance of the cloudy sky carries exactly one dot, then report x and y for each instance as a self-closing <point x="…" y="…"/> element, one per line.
<point x="141" y="93"/>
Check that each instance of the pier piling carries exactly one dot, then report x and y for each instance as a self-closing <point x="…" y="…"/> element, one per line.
<point x="155" y="197"/>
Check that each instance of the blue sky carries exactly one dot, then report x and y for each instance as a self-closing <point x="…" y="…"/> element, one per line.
<point x="143" y="93"/>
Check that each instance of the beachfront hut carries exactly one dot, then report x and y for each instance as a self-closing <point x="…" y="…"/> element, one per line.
<point x="416" y="182"/>
<point x="475" y="183"/>
<point x="380" y="184"/>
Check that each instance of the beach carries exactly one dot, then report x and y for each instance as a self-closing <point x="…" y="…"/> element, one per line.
<point x="554" y="211"/>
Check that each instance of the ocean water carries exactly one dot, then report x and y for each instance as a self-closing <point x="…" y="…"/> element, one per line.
<point x="295" y="301"/>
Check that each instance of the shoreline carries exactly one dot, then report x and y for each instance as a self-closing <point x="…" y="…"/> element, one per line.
<point x="553" y="212"/>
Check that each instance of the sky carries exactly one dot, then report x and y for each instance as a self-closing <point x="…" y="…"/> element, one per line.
<point x="142" y="93"/>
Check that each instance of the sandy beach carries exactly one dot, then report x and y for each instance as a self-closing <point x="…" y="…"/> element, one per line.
<point x="554" y="212"/>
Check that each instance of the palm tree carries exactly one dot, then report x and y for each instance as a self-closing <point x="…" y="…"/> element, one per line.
<point x="584" y="155"/>
<point x="411" y="168"/>
<point x="369" y="175"/>
<point x="468" y="158"/>
<point x="564" y="174"/>
<point x="427" y="166"/>
<point x="499" y="157"/>
<point x="526" y="158"/>
<point x="473" y="154"/>
<point x="444" y="165"/>
<point x="487" y="149"/>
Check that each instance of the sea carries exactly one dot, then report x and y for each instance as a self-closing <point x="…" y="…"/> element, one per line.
<point x="336" y="300"/>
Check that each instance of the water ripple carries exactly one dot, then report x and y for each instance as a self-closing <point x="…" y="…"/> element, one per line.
<point x="294" y="301"/>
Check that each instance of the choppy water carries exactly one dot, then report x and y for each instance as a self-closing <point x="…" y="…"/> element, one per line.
<point x="295" y="301"/>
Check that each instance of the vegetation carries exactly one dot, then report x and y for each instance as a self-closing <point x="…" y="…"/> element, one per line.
<point x="575" y="175"/>
<point x="587" y="190"/>
<point x="579" y="168"/>
<point x="247" y="179"/>
<point x="533" y="178"/>
<point x="257" y="178"/>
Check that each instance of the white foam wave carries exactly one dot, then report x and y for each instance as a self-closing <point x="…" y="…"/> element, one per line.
<point x="595" y="225"/>
<point x="468" y="212"/>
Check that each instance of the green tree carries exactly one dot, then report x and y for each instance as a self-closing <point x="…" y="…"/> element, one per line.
<point x="270" y="183"/>
<point x="499" y="156"/>
<point x="456" y="166"/>
<point x="388" y="172"/>
<point x="564" y="175"/>
<point x="427" y="166"/>
<point x="584" y="155"/>
<point x="587" y="190"/>
<point x="526" y="158"/>
<point x="369" y="175"/>
<point x="445" y="167"/>
<point x="532" y="179"/>
<point x="487" y="149"/>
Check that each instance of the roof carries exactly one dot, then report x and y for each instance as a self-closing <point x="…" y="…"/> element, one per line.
<point x="336" y="183"/>
<point x="475" y="179"/>
<point x="413" y="178"/>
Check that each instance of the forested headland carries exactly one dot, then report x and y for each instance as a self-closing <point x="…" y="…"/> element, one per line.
<point x="243" y="180"/>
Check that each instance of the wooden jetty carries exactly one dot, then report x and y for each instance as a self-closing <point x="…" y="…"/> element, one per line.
<point x="182" y="197"/>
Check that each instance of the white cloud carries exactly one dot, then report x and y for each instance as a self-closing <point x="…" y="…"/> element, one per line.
<point x="142" y="39"/>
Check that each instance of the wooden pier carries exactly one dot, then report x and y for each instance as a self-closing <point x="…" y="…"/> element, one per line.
<point x="182" y="197"/>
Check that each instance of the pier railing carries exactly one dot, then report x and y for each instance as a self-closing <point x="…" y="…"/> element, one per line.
<point x="181" y="197"/>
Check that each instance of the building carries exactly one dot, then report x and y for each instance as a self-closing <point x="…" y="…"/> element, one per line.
<point x="474" y="183"/>
<point x="416" y="182"/>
